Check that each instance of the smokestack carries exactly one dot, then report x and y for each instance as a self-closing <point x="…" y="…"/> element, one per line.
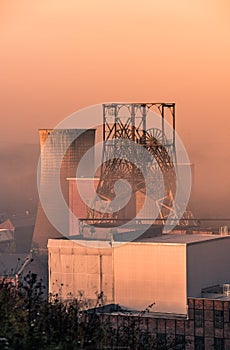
<point x="59" y="140"/>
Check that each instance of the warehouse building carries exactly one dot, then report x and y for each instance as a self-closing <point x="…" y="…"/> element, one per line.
<point x="165" y="269"/>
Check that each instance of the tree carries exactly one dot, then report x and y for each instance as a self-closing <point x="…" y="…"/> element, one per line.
<point x="29" y="321"/>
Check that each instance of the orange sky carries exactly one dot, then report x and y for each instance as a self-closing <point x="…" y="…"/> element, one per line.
<point x="57" y="56"/>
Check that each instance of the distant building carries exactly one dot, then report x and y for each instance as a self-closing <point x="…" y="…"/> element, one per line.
<point x="6" y="234"/>
<point x="206" y="327"/>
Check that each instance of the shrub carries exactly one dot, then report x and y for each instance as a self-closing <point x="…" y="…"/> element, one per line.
<point x="29" y="321"/>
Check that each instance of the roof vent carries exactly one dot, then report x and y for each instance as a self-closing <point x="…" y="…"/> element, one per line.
<point x="223" y="230"/>
<point x="226" y="289"/>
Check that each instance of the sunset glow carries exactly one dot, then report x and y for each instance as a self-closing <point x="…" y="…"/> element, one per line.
<point x="59" y="56"/>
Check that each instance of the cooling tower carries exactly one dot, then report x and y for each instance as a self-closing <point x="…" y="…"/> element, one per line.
<point x="52" y="143"/>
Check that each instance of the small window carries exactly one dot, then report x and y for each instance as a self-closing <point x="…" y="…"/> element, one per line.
<point x="218" y="344"/>
<point x="161" y="339"/>
<point x="199" y="343"/>
<point x="199" y="318"/>
<point x="179" y="342"/>
<point x="218" y="319"/>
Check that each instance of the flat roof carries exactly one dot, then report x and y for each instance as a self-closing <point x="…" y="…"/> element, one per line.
<point x="61" y="129"/>
<point x="167" y="239"/>
<point x="82" y="178"/>
<point x="182" y="238"/>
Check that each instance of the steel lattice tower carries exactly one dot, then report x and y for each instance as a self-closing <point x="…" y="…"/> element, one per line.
<point x="132" y="126"/>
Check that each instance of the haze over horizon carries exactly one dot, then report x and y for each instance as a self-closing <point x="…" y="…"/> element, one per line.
<point x="57" y="57"/>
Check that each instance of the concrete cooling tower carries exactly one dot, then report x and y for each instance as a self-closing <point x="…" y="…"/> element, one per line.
<point x="53" y="143"/>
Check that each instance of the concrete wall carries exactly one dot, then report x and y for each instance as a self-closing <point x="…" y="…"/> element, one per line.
<point x="53" y="143"/>
<point x="77" y="206"/>
<point x="137" y="274"/>
<point x="80" y="209"/>
<point x="149" y="272"/>
<point x="146" y="207"/>
<point x="74" y="268"/>
<point x="207" y="264"/>
<point x="133" y="275"/>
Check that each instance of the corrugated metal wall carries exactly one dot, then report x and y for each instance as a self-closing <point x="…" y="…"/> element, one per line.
<point x="133" y="275"/>
<point x="74" y="268"/>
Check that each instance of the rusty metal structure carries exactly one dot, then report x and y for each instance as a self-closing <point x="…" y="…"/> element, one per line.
<point x="124" y="121"/>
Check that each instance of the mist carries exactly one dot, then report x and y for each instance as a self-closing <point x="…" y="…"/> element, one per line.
<point x="18" y="190"/>
<point x="210" y="196"/>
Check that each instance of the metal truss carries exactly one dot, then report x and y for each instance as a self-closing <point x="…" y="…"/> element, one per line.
<point x="128" y="121"/>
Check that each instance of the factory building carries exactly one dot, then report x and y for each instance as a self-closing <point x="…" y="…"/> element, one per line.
<point x="165" y="269"/>
<point x="6" y="235"/>
<point x="207" y="326"/>
<point x="185" y="277"/>
<point x="132" y="270"/>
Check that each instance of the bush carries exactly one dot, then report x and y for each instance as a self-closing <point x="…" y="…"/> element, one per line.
<point x="29" y="321"/>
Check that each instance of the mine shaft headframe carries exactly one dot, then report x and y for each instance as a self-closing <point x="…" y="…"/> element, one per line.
<point x="134" y="127"/>
<point x="129" y="121"/>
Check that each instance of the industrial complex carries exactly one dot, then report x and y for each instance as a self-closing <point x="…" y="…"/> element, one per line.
<point x="125" y="254"/>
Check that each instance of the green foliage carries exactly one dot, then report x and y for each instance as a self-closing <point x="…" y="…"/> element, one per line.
<point x="30" y="321"/>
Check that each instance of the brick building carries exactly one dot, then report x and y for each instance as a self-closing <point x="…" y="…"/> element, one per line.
<point x="206" y="327"/>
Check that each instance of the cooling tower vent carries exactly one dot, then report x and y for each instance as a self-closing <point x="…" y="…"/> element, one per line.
<point x="226" y="289"/>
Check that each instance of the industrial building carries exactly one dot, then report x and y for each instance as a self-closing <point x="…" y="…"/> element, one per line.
<point x="185" y="277"/>
<point x="62" y="150"/>
<point x="134" y="267"/>
<point x="6" y="234"/>
<point x="165" y="270"/>
<point x="207" y="326"/>
<point x="52" y="143"/>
